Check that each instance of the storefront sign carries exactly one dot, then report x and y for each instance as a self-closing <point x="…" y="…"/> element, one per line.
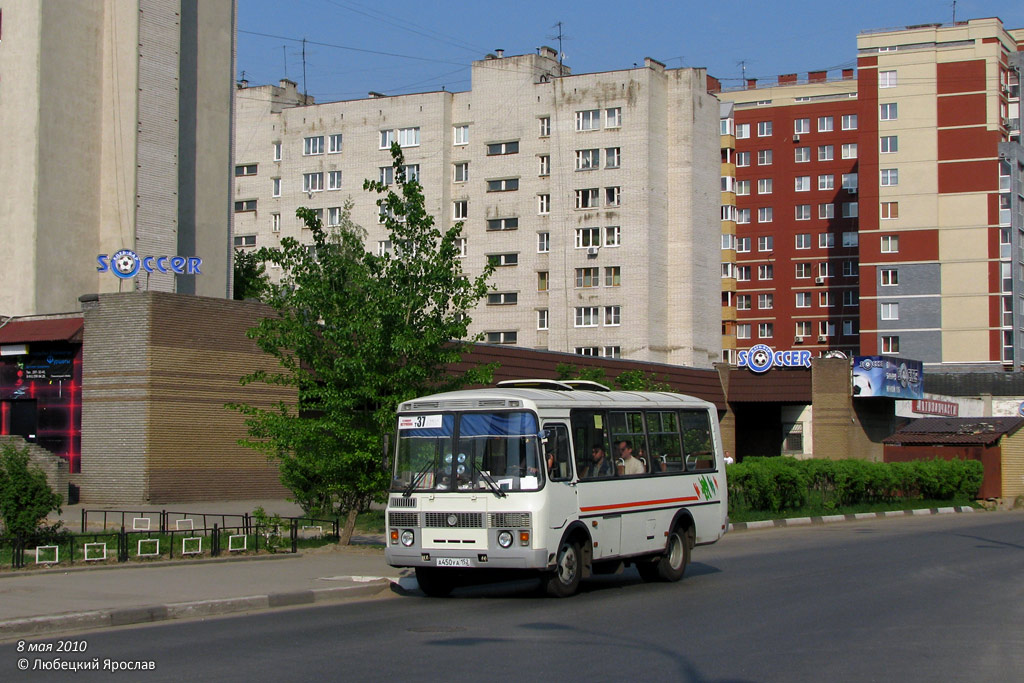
<point x="49" y="365"/>
<point x="761" y="357"/>
<point x="881" y="376"/>
<point x="927" y="406"/>
<point x="126" y="264"/>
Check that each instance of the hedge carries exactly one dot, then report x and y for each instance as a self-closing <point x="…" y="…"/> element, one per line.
<point x="783" y="483"/>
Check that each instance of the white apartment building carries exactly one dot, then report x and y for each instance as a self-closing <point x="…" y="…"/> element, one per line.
<point x="116" y="124"/>
<point x="593" y="194"/>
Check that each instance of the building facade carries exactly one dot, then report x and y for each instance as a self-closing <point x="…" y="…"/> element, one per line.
<point x="116" y="120"/>
<point x="592" y="194"/>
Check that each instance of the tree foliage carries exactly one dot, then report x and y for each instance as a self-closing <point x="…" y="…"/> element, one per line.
<point x="357" y="333"/>
<point x="250" y="275"/>
<point x="25" y="496"/>
<point x="627" y="380"/>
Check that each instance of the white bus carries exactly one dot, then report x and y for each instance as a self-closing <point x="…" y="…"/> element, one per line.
<point x="567" y="479"/>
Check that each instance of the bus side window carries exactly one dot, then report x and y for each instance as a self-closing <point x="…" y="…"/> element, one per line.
<point x="663" y="431"/>
<point x="590" y="444"/>
<point x="697" y="440"/>
<point x="556" y="452"/>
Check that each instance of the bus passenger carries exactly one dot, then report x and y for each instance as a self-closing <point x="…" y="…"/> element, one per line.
<point x="627" y="464"/>
<point x="600" y="466"/>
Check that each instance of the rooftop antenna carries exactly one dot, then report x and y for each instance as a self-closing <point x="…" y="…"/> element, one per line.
<point x="284" y="53"/>
<point x="954" y="11"/>
<point x="743" y="69"/>
<point x="559" y="37"/>
<point x="305" y="93"/>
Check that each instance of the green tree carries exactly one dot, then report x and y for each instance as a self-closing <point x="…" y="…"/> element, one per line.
<point x="250" y="278"/>
<point x="357" y="333"/>
<point x="25" y="497"/>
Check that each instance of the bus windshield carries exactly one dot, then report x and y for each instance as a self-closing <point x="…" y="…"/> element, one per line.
<point x="468" y="452"/>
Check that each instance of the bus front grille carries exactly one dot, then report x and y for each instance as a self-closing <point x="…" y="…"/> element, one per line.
<point x="405" y="519"/>
<point x="409" y="502"/>
<point x="455" y="520"/>
<point x="508" y="520"/>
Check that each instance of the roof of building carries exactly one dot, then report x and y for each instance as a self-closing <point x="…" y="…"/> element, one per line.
<point x="975" y="431"/>
<point x="50" y="329"/>
<point x="974" y="383"/>
<point x="781" y="385"/>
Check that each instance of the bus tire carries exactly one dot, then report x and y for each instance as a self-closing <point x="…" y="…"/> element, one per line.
<point x="564" y="581"/>
<point x="435" y="583"/>
<point x="672" y="565"/>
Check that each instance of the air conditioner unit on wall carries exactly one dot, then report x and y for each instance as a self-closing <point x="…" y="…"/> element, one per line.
<point x="796" y="138"/>
<point x="592" y="251"/>
<point x="822" y="339"/>
<point x="819" y="280"/>
<point x="798" y="340"/>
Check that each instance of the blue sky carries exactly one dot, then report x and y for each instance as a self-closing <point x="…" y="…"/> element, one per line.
<point x="355" y="46"/>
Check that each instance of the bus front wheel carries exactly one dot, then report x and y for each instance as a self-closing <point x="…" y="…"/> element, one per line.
<point x="565" y="579"/>
<point x="435" y="583"/>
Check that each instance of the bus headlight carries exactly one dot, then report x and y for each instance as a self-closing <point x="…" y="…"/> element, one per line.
<point x="408" y="537"/>
<point x="505" y="539"/>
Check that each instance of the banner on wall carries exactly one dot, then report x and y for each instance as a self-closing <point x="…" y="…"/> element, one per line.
<point x="887" y="377"/>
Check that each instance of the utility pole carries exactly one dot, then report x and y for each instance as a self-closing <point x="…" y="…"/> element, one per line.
<point x="305" y="93"/>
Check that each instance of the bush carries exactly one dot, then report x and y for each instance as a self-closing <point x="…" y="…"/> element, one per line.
<point x="25" y="497"/>
<point x="781" y="483"/>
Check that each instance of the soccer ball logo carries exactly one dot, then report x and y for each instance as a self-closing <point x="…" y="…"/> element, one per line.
<point x="760" y="358"/>
<point x="126" y="263"/>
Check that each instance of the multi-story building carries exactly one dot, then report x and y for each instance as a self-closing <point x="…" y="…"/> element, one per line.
<point x="882" y="213"/>
<point x="592" y="194"/>
<point x="116" y="119"/>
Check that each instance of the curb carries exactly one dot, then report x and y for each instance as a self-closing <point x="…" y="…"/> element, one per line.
<point x="829" y="519"/>
<point x="38" y="626"/>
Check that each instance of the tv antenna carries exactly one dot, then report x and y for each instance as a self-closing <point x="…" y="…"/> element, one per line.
<point x="559" y="37"/>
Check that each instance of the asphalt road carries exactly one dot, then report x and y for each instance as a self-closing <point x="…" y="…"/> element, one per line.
<point x="908" y="599"/>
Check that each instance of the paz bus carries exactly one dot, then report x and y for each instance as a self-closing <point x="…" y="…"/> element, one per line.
<point x="563" y="479"/>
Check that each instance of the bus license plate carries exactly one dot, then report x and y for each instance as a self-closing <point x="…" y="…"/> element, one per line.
<point x="453" y="562"/>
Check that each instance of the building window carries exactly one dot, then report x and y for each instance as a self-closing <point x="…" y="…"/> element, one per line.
<point x="826" y="299"/>
<point x="764" y="186"/>
<point x="742" y="187"/>
<point x="589" y="119"/>
<point x="826" y="211"/>
<point x="801" y="126"/>
<point x="542" y="280"/>
<point x="742" y="131"/>
<point x="542" y="319"/>
<point x="334" y="216"/>
<point x="611" y="351"/>
<point x="501" y="148"/>
<point x="888" y="111"/>
<point x="245" y="205"/>
<point x="803" y="212"/>
<point x="742" y="302"/>
<point x="743" y="331"/>
<point x="743" y="273"/>
<point x="764" y="214"/>
<point x="502" y="299"/>
<point x="889" y="311"/>
<point x="588" y="351"/>
<point x="588" y="237"/>
<point x="764" y="157"/>
<point x="545" y="126"/>
<point x="742" y="245"/>
<point x="802" y="183"/>
<point x="386" y="175"/>
<point x="725" y="126"/>
<point x="460" y="210"/>
<point x="613" y="117"/>
<point x="334" y="143"/>
<point x="826" y="182"/>
<point x="277" y="151"/>
<point x="803" y="240"/>
<point x="587" y="277"/>
<point x="408" y="137"/>
<point x="849" y="209"/>
<point x="793" y="437"/>
<point x="742" y="216"/>
<point x="543" y="242"/>
<point x="801" y="154"/>
<point x="887" y="144"/>
<point x="613" y="196"/>
<point x="886" y="79"/>
<point x="850" y="298"/>
<point x="613" y="276"/>
<point x="461" y="247"/>
<point x="850" y="182"/>
<point x="849" y="150"/>
<point x="890" y="344"/>
<point x="803" y="271"/>
<point x="587" y="199"/>
<point x="826" y="328"/>
<point x="612" y="157"/>
<point x="890" y="177"/>
<point x="612" y="236"/>
<point x="460" y="135"/>
<point x="504" y="337"/>
<point x="313" y="145"/>
<point x="244" y="170"/>
<point x="543" y="204"/>
<point x="503" y="185"/>
<point x="383" y="247"/>
<point x="495" y="224"/>
<point x="765" y="243"/>
<point x="460" y="172"/>
<point x="890" y="244"/>
<point x="803" y="299"/>
<point x="765" y="330"/>
<point x="890" y="277"/>
<point x="849" y="122"/>
<point x="386" y="138"/>
<point x="544" y="165"/>
<point x="765" y="302"/>
<point x="826" y="240"/>
<point x="742" y="159"/>
<point x="765" y="271"/>
<point x="586" y="316"/>
<point x="764" y="129"/>
<point x="826" y="152"/>
<point x="502" y="260"/>
<point x="824" y="124"/>
<point x="588" y="159"/>
<point x="803" y="329"/>
<point x="275" y="222"/>
<point x="245" y="240"/>
<point x="851" y="239"/>
<point x="728" y="241"/>
<point x="334" y="180"/>
<point x="850" y="268"/>
<point x="612" y="316"/>
<point x="276" y="192"/>
<point x="825" y="269"/>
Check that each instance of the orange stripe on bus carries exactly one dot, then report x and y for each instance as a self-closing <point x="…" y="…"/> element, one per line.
<point x="618" y="506"/>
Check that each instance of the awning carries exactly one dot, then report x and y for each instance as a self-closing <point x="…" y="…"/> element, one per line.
<point x="54" y="329"/>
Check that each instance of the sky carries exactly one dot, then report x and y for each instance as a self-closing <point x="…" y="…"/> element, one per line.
<point x="355" y="46"/>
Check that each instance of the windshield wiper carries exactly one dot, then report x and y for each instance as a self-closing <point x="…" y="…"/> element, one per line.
<point x="495" y="489"/>
<point x="416" y="480"/>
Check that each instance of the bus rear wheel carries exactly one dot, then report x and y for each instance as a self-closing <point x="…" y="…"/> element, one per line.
<point x="565" y="579"/>
<point x="671" y="565"/>
<point x="435" y="583"/>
